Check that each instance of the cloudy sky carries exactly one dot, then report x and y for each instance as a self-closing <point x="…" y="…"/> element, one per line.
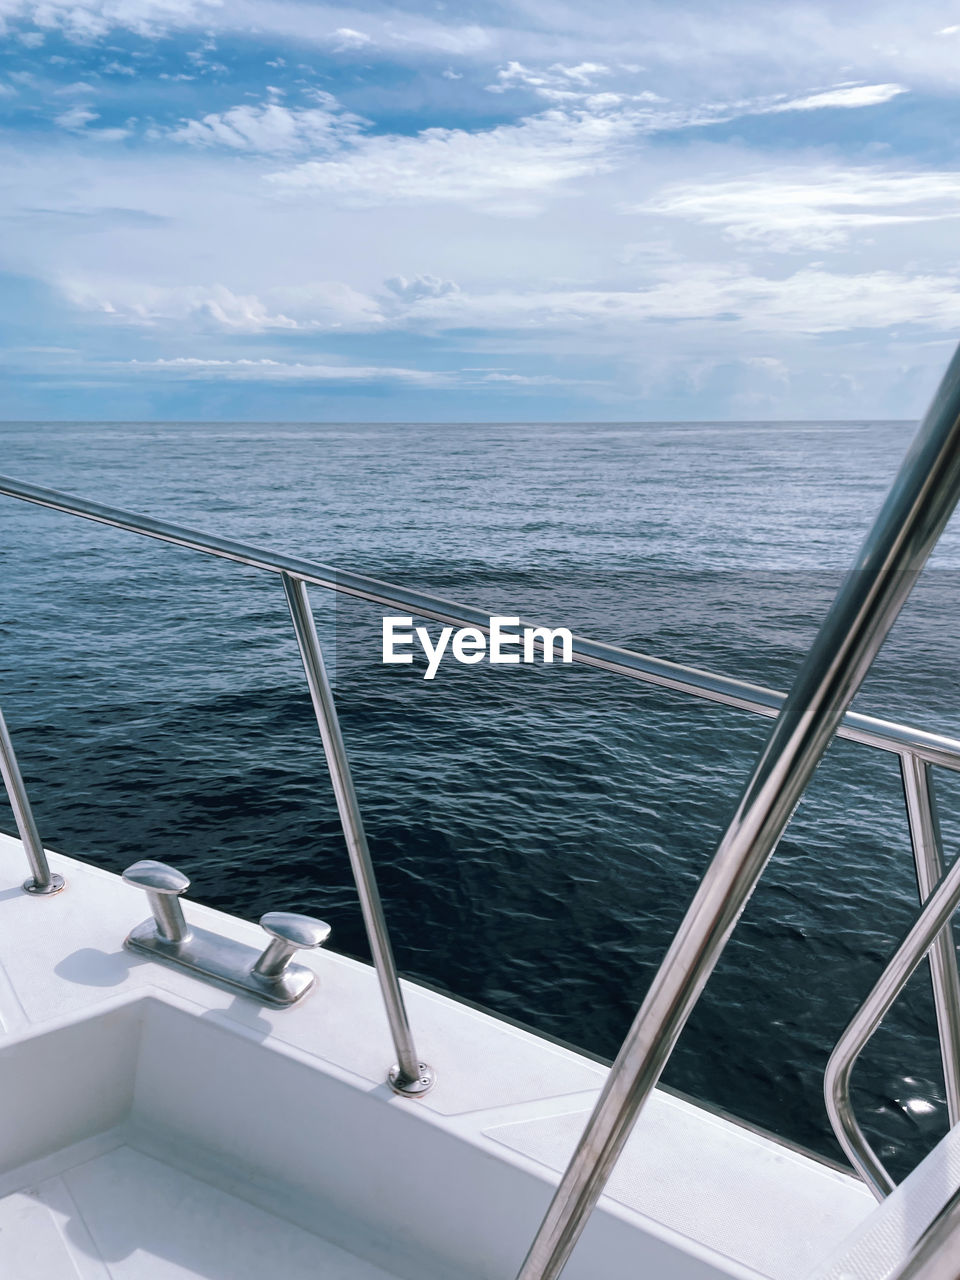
<point x="529" y="210"/>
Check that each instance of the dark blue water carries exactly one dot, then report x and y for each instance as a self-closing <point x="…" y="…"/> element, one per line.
<point x="537" y="832"/>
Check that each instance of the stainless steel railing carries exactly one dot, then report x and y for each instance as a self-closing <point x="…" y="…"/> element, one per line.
<point x="43" y="881"/>
<point x="930" y="925"/>
<point x="409" y="1075"/>
<point x="919" y="796"/>
<point x="816" y="708"/>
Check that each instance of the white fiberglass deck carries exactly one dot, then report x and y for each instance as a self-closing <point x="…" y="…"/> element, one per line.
<point x="153" y="1127"/>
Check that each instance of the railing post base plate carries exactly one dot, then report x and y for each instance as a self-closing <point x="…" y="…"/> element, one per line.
<point x="55" y="884"/>
<point x="423" y="1083"/>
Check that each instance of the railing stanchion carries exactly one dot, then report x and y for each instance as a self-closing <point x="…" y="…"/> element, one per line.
<point x="409" y="1076"/>
<point x="928" y="855"/>
<point x="894" y="552"/>
<point x="43" y="881"/>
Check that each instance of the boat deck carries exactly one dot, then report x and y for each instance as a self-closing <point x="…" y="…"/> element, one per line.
<point x="124" y="1215"/>
<point x="163" y="1129"/>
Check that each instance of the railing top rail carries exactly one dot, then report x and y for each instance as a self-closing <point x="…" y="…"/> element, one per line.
<point x="887" y="735"/>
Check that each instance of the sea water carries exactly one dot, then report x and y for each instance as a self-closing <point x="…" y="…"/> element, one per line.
<point x="537" y="831"/>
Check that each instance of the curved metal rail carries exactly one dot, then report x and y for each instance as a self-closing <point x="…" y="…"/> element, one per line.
<point x="928" y="926"/>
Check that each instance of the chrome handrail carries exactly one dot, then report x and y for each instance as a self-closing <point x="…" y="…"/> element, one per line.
<point x="43" y="882"/>
<point x="928" y="926"/>
<point x="895" y="550"/>
<point x="927" y="842"/>
<point x="409" y="1076"/>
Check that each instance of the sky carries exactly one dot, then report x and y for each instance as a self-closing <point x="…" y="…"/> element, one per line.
<point x="536" y="210"/>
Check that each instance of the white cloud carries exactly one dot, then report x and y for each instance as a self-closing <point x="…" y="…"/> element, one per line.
<point x="319" y="306"/>
<point x="284" y="371"/>
<point x="509" y="168"/>
<point x="775" y="370"/>
<point x="703" y="296"/>
<point x="313" y="22"/>
<point x="809" y="301"/>
<point x="803" y="208"/>
<point x="78" y="87"/>
<point x="346" y="38"/>
<point x="761" y="48"/>
<point x="420" y="287"/>
<point x="560" y="283"/>
<point x="91" y="19"/>
<point x="582" y="73"/>
<point x="565" y="85"/>
<point x="270" y="128"/>
<point x="528" y="379"/>
<point x="505" y="169"/>
<point x="329" y="304"/>
<point x="139" y="304"/>
<point x="269" y="370"/>
<point x="557" y="83"/>
<point x="864" y="95"/>
<point x="608" y="101"/>
<point x="76" y="118"/>
<point x="817" y="301"/>
<point x="402" y="29"/>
